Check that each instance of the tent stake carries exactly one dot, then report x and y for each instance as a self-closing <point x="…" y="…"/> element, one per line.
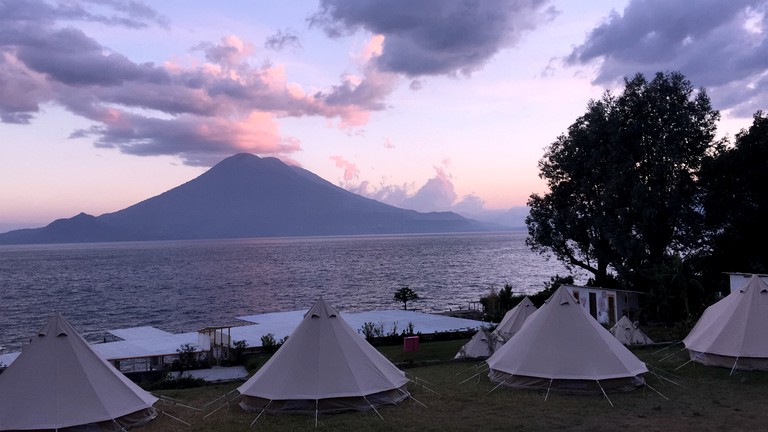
<point x="666" y="347"/>
<point x="694" y="358"/>
<point x="662" y="379"/>
<point x="374" y="408"/>
<point x="218" y="398"/>
<point x="469" y="368"/>
<point x="425" y="387"/>
<point x="656" y="368"/>
<point x="734" y="366"/>
<point x="420" y="379"/>
<point x="604" y="393"/>
<point x="657" y="392"/>
<point x="220" y="407"/>
<point x="473" y="376"/>
<point x="417" y="401"/>
<point x="177" y="419"/>
<point x="671" y="355"/>
<point x="500" y="384"/>
<point x="548" y="387"/>
<point x="176" y="402"/>
<point x="262" y="412"/>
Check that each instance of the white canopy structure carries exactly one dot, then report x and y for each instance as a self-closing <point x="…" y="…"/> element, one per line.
<point x="514" y="318"/>
<point x="482" y="345"/>
<point x="733" y="332"/>
<point x="325" y="366"/>
<point x="59" y="383"/>
<point x="563" y="348"/>
<point x="629" y="333"/>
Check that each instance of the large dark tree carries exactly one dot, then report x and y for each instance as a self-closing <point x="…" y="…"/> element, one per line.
<point x="622" y="181"/>
<point x="736" y="202"/>
<point x="575" y="220"/>
<point x="667" y="130"/>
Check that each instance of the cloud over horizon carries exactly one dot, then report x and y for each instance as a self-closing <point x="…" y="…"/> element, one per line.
<point x="722" y="46"/>
<point x="438" y="194"/>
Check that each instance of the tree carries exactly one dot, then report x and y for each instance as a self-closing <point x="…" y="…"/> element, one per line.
<point x="735" y="201"/>
<point x="574" y="221"/>
<point x="496" y="304"/>
<point x="405" y="295"/>
<point x="622" y="182"/>
<point x="667" y="130"/>
<point x="188" y="358"/>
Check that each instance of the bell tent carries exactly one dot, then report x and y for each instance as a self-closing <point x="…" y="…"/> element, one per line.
<point x="732" y="332"/>
<point x="482" y="345"/>
<point x="563" y="348"/>
<point x="629" y="333"/>
<point x="325" y="366"/>
<point x="59" y="383"/>
<point x="514" y="318"/>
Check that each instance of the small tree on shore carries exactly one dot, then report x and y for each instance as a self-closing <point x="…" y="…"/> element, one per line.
<point x="405" y="294"/>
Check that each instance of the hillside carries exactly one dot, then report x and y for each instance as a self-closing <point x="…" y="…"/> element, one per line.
<point x="246" y="196"/>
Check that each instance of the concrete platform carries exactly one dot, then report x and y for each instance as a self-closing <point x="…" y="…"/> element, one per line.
<point x="217" y="374"/>
<point x="146" y="341"/>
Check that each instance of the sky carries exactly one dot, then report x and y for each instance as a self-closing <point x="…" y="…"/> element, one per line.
<point x="432" y="105"/>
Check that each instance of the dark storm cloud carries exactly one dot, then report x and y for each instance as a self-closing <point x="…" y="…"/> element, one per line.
<point x="70" y="57"/>
<point x="369" y="94"/>
<point x="435" y="37"/>
<point x="720" y="45"/>
<point x="132" y="14"/>
<point x="282" y="40"/>
<point x="205" y="139"/>
<point x="200" y="113"/>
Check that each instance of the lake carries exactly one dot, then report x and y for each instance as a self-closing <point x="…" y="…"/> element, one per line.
<point x="186" y="285"/>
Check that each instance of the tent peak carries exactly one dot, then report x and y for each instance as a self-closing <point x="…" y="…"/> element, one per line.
<point x="56" y="326"/>
<point x="322" y="309"/>
<point x="562" y="297"/>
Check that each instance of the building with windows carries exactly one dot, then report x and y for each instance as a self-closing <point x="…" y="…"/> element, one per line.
<point x="607" y="305"/>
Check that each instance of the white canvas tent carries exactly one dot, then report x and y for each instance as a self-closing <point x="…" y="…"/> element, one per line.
<point x="563" y="348"/>
<point x="325" y="366"/>
<point x="732" y="332"/>
<point x="58" y="382"/>
<point x="629" y="333"/>
<point x="514" y="318"/>
<point x="482" y="345"/>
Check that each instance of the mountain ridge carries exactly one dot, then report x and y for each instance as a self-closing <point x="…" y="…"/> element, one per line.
<point x="247" y="196"/>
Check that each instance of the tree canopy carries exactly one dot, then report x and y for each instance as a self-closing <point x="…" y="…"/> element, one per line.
<point x="623" y="195"/>
<point x="736" y="202"/>
<point x="405" y="294"/>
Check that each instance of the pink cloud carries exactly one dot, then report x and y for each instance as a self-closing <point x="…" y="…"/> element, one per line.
<point x="216" y="105"/>
<point x="437" y="194"/>
<point x="204" y="138"/>
<point x="372" y="48"/>
<point x="231" y="52"/>
<point x="388" y="144"/>
<point x="357" y="96"/>
<point x="350" y="169"/>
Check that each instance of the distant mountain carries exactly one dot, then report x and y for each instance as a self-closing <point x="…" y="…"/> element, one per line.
<point x="247" y="196"/>
<point x="512" y="218"/>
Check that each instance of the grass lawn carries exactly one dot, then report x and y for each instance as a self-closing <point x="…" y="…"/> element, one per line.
<point x="705" y="399"/>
